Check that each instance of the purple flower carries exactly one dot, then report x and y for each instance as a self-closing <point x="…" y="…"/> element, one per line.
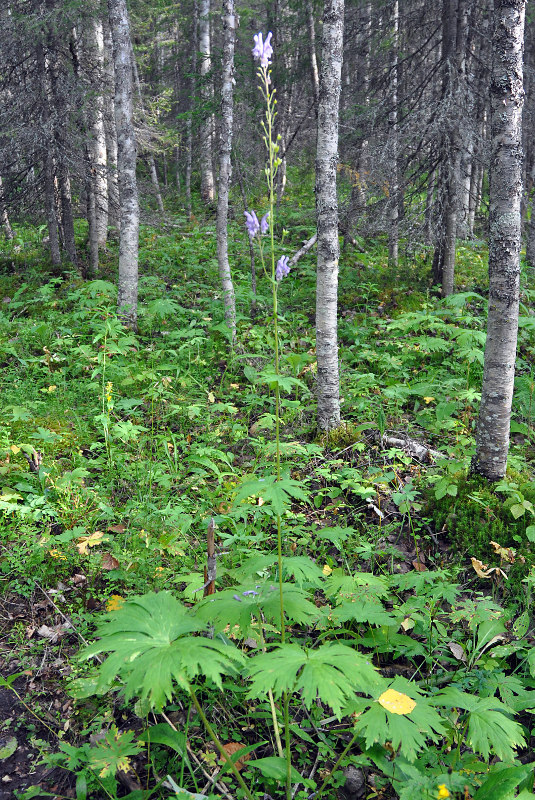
<point x="262" y="51"/>
<point x="282" y="269"/>
<point x="264" y="224"/>
<point x="251" y="223"/>
<point x="250" y="593"/>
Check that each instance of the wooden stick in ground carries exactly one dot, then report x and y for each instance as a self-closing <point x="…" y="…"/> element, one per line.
<point x="210" y="570"/>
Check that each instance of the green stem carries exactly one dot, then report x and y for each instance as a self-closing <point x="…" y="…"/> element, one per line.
<point x="271" y="173"/>
<point x="224" y="755"/>
<point x="344" y="752"/>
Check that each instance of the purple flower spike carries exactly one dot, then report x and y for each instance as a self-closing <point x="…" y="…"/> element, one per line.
<point x="282" y="269"/>
<point x="250" y="593"/>
<point x="264" y="224"/>
<point x="251" y="223"/>
<point x="262" y="51"/>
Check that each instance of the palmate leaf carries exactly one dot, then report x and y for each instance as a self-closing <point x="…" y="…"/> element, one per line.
<point x="332" y="672"/>
<point x="276" y="494"/>
<point x="409" y="732"/>
<point x="489" y="727"/>
<point x="150" y="649"/>
<point x="237" y="607"/>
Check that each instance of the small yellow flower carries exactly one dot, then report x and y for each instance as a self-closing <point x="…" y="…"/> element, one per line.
<point x="57" y="554"/>
<point x="442" y="791"/>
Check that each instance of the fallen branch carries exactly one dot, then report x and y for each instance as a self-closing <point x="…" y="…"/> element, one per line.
<point x="413" y="448"/>
<point x="306" y="247"/>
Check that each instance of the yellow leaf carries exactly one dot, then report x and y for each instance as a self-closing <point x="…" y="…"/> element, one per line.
<point x="327" y="569"/>
<point x="14" y="449"/>
<point x="52" y="388"/>
<point x="396" y="702"/>
<point x="115" y="602"/>
<point x="428" y="399"/>
<point x="505" y="553"/>
<point x="85" y="542"/>
<point x="481" y="568"/>
<point x="211" y="397"/>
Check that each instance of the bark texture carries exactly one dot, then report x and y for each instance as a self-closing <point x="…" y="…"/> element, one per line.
<point x="507" y="95"/>
<point x="126" y="162"/>
<point x="327" y="216"/>
<point x="98" y="153"/>
<point x="207" y="172"/>
<point x="225" y="166"/>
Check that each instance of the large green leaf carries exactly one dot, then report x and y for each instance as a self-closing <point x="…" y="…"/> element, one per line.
<point x="490" y="729"/>
<point x="332" y="672"/>
<point x="151" y="649"/>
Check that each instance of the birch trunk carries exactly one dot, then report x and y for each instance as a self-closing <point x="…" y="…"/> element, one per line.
<point x="4" y="217"/>
<point x="98" y="153"/>
<point x="327" y="216"/>
<point x="505" y="174"/>
<point x="126" y="162"/>
<point x="110" y="129"/>
<point x="207" y="171"/>
<point x="393" y="227"/>
<point x="225" y="166"/>
<point x="314" y="74"/>
<point x="189" y="119"/>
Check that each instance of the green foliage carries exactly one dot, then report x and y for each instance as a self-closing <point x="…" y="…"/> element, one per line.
<point x="150" y="649"/>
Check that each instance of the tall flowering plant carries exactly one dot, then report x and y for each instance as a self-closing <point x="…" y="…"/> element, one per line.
<point x="276" y="271"/>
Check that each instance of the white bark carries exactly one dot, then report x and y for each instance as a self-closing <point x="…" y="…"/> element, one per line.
<point x="225" y="166"/>
<point x="98" y="152"/>
<point x="189" y="119"/>
<point x="126" y="162"/>
<point x="314" y="73"/>
<point x="110" y="128"/>
<point x="4" y="217"/>
<point x="393" y="227"/>
<point x="206" y="128"/>
<point x="507" y="94"/>
<point x="327" y="216"/>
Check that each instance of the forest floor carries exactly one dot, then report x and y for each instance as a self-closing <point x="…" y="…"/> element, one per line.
<point x="118" y="450"/>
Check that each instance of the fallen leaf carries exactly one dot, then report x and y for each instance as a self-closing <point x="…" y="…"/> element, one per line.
<point x="327" y="569"/>
<point x="457" y="651"/>
<point x="480" y="568"/>
<point x="9" y="748"/>
<point x="55" y="633"/>
<point x="235" y="747"/>
<point x="117" y="528"/>
<point x="109" y="561"/>
<point x="14" y="449"/>
<point x="211" y="397"/>
<point x="396" y="702"/>
<point x="85" y="542"/>
<point x="418" y="566"/>
<point x="505" y="553"/>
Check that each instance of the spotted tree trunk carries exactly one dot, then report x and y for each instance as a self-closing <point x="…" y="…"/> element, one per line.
<point x="327" y="216"/>
<point x="505" y="175"/>
<point x="126" y="162"/>
<point x="225" y="166"/>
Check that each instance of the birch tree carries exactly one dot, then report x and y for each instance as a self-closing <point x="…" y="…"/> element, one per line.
<point x="225" y="166"/>
<point x="207" y="172"/>
<point x="507" y="94"/>
<point x="327" y="216"/>
<point x="126" y="162"/>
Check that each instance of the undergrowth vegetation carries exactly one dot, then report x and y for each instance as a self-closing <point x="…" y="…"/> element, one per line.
<point x="406" y="652"/>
